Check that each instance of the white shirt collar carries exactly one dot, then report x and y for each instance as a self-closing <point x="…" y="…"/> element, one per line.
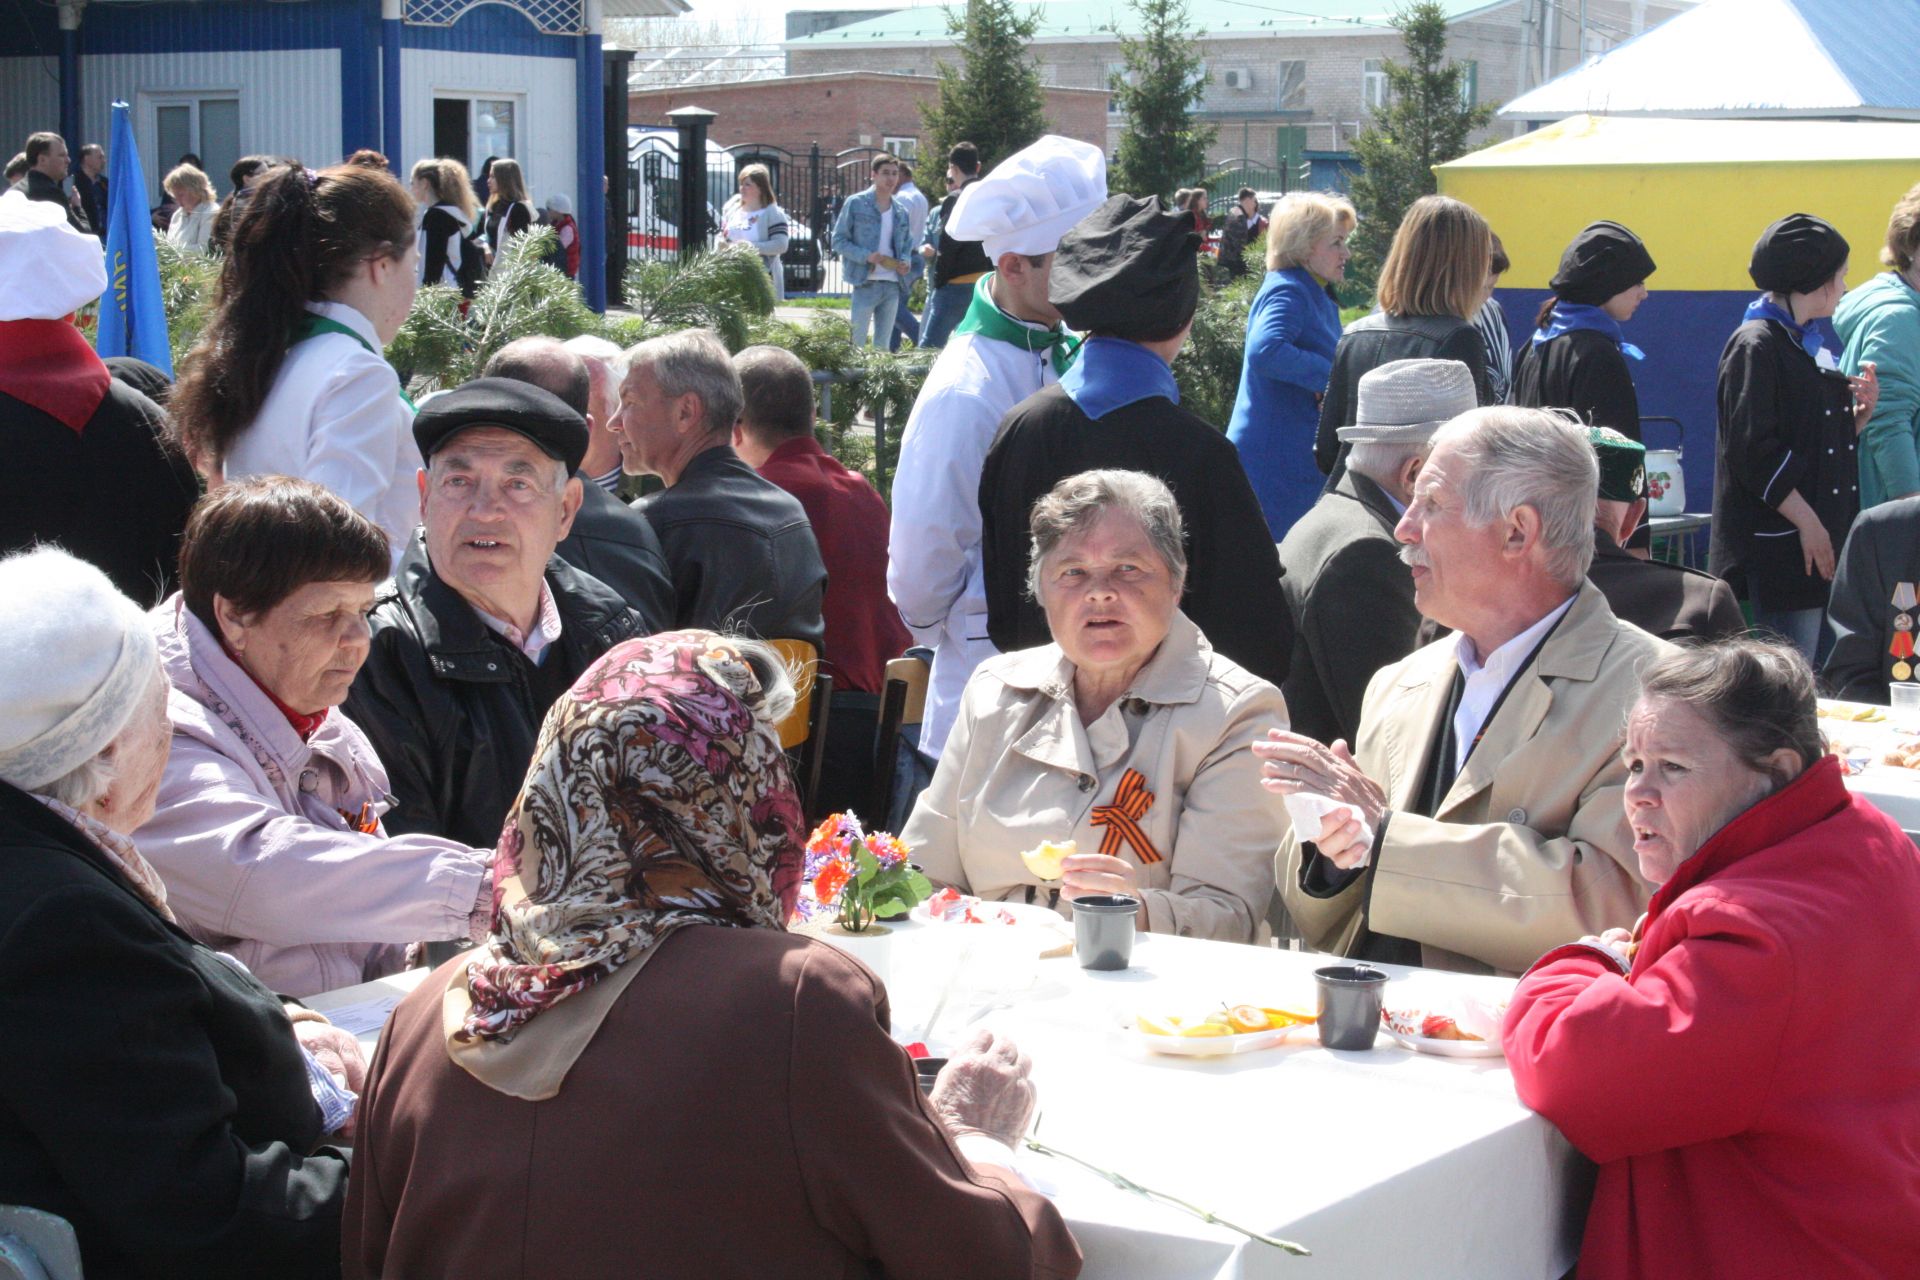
<point x="347" y="316"/>
<point x="546" y="627"/>
<point x="1485" y="682"/>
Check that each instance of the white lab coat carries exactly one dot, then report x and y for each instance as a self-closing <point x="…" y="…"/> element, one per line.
<point x="335" y="417"/>
<point x="934" y="569"/>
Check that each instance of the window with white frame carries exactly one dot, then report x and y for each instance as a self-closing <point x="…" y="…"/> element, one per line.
<point x="1469" y="84"/>
<point x="469" y="127"/>
<point x="204" y="124"/>
<point x="1117" y="75"/>
<point x="907" y="149"/>
<point x="1373" y="84"/>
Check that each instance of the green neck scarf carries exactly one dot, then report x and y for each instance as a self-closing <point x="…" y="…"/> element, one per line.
<point x="312" y="326"/>
<point x="990" y="321"/>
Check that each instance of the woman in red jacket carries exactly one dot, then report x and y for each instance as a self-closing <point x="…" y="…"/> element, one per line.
<point x="1745" y="1064"/>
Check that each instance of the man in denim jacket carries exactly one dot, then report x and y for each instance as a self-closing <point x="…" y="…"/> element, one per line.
<point x="872" y="235"/>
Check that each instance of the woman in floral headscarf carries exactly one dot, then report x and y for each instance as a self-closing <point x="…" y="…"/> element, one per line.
<point x="599" y="1054"/>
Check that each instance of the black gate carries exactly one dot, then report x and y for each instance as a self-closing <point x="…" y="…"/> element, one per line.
<point x="811" y="186"/>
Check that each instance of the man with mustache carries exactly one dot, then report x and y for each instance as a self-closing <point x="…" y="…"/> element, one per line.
<point x="482" y="626"/>
<point x="1484" y="822"/>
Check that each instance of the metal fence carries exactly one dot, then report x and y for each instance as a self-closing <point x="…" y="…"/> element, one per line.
<point x="811" y="186"/>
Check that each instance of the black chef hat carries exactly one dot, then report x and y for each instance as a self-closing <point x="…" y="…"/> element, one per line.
<point x="1797" y="254"/>
<point x="1603" y="260"/>
<point x="511" y="405"/>
<point x="1127" y="270"/>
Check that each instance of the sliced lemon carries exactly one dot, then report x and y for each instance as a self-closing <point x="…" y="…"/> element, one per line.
<point x="1200" y="1030"/>
<point x="1044" y="861"/>
<point x="1167" y="1026"/>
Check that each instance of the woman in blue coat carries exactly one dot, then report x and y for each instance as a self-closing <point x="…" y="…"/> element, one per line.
<point x="1292" y="331"/>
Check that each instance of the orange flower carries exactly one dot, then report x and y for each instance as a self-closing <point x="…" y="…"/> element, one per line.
<point x="832" y="879"/>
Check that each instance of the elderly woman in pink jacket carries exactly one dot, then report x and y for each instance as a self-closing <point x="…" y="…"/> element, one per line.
<point x="267" y="827"/>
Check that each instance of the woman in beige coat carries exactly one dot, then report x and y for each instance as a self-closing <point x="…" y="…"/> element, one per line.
<point x="1128" y="735"/>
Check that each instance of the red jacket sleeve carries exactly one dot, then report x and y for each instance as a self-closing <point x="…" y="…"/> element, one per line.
<point x="1683" y="1051"/>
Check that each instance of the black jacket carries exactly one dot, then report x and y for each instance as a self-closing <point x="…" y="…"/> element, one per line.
<point x="115" y="493"/>
<point x="93" y="200"/>
<point x="1233" y="572"/>
<point x="614" y="543"/>
<point x="1352" y="604"/>
<point x="740" y="550"/>
<point x="151" y="1094"/>
<point x="1581" y="370"/>
<point x="453" y="710"/>
<point x="1882" y="552"/>
<point x="41" y="187"/>
<point x="1786" y="425"/>
<point x="438" y="227"/>
<point x="1667" y="600"/>
<point x="956" y="257"/>
<point x="1378" y="339"/>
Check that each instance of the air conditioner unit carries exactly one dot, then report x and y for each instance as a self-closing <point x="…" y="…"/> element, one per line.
<point x="1239" y="78"/>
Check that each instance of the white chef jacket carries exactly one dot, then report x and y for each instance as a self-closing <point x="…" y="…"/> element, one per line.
<point x="335" y="417"/>
<point x="934" y="569"/>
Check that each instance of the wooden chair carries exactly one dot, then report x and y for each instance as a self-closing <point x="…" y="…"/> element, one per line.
<point x="804" y="732"/>
<point x="902" y="702"/>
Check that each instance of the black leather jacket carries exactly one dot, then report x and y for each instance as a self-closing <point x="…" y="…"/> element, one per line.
<point x="614" y="543"/>
<point x="740" y="549"/>
<point x="453" y="709"/>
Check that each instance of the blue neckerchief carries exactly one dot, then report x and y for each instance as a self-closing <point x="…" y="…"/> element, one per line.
<point x="1568" y="316"/>
<point x="1113" y="373"/>
<point x="1812" y="335"/>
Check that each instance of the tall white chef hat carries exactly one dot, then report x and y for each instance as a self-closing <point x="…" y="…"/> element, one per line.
<point x="1031" y="198"/>
<point x="47" y="269"/>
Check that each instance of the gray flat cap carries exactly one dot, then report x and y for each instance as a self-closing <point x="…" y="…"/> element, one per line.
<point x="1406" y="401"/>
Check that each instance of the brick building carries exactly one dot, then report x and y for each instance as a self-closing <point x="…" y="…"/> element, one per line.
<point x="842" y="110"/>
<point x="1281" y="83"/>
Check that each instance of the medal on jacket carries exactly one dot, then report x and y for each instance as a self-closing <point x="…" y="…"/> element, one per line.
<point x="1904" y="599"/>
<point x="1131" y="800"/>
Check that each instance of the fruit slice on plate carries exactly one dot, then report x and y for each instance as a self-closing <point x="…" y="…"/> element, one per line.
<point x="1045" y="859"/>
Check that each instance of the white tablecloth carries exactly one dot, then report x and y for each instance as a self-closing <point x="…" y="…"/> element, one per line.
<point x="1894" y="789"/>
<point x="1385" y="1163"/>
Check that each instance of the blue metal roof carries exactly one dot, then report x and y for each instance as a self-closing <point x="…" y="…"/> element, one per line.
<point x="1751" y="58"/>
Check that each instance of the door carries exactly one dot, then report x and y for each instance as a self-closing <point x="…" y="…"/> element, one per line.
<point x="1290" y="141"/>
<point x="205" y="126"/>
<point x="450" y="137"/>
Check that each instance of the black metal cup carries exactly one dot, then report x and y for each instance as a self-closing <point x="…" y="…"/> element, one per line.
<point x="1103" y="930"/>
<point x="1349" y="1005"/>
<point x="928" y="1070"/>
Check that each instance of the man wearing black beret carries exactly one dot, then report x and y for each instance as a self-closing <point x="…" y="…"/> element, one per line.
<point x="482" y="626"/>
<point x="1126" y="276"/>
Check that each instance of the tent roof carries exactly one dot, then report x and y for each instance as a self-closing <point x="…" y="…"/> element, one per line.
<point x="1748" y="58"/>
<point x="1595" y="141"/>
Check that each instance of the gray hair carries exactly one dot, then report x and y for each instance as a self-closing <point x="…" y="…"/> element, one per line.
<point x="1537" y="458"/>
<point x="87" y="781"/>
<point x="603" y="358"/>
<point x="1758" y="695"/>
<point x="1380" y="460"/>
<point x="694" y="362"/>
<point x="778" y="681"/>
<point x="1073" y="505"/>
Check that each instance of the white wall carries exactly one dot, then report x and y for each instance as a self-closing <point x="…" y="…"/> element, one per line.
<point x="289" y="100"/>
<point x="543" y="86"/>
<point x="29" y="100"/>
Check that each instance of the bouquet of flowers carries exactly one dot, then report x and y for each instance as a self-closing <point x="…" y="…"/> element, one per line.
<point x="858" y="877"/>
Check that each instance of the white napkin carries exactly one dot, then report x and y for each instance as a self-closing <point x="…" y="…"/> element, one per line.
<point x="1310" y="812"/>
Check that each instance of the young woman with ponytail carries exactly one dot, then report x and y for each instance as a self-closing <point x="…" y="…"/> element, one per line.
<point x="288" y="377"/>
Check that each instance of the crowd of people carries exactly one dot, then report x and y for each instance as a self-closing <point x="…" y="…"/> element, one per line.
<point x="297" y="676"/>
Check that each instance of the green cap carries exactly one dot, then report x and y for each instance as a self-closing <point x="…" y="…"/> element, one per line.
<point x="1623" y="465"/>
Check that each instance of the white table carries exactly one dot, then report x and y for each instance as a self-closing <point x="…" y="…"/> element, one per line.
<point x="1677" y="532"/>
<point x="1895" y="790"/>
<point x="1384" y="1163"/>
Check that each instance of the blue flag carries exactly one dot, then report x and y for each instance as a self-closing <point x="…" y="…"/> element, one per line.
<point x="133" y="319"/>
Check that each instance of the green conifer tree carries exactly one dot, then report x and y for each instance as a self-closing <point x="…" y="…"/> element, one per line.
<point x="1163" y="147"/>
<point x="1426" y="122"/>
<point x="992" y="98"/>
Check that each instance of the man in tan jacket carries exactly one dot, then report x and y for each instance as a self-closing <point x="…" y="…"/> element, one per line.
<point x="1485" y="822"/>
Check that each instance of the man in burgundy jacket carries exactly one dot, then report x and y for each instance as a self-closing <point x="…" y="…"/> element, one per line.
<point x="863" y="629"/>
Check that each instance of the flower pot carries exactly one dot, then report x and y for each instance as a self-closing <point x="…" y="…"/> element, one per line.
<point x="872" y="947"/>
